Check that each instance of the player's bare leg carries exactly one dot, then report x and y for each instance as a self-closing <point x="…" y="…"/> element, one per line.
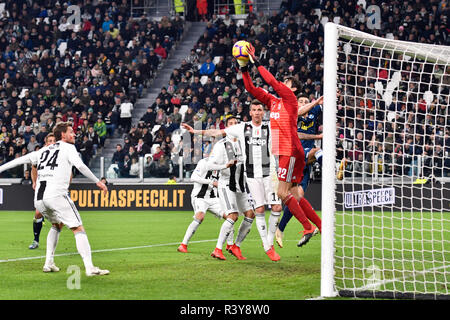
<point x="52" y="242"/>
<point x="84" y="249"/>
<point x="38" y="221"/>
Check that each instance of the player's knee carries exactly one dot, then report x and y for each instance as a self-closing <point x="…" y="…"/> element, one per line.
<point x="260" y="210"/>
<point x="200" y="216"/>
<point x="282" y="194"/>
<point x="277" y="208"/>
<point x="77" y="229"/>
<point x="249" y="214"/>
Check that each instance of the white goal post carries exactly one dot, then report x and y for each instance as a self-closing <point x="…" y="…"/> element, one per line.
<point x="385" y="168"/>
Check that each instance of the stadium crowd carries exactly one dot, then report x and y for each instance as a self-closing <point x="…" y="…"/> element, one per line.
<point x="91" y="73"/>
<point x="207" y="87"/>
<point x="108" y="62"/>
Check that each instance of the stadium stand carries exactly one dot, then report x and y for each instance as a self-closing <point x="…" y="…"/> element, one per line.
<point x="99" y="69"/>
<point x="52" y="72"/>
<point x="292" y="36"/>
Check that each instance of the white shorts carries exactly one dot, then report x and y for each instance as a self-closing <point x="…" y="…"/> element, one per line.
<point x="234" y="201"/>
<point x="211" y="204"/>
<point x="262" y="191"/>
<point x="60" y="209"/>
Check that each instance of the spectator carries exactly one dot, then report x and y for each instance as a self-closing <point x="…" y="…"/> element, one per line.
<point x="126" y="109"/>
<point x="100" y="130"/>
<point x="207" y="68"/>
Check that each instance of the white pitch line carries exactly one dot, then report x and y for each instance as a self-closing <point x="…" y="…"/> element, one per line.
<point x="114" y="249"/>
<point x="106" y="250"/>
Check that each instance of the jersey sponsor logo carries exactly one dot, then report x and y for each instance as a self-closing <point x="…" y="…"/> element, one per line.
<point x="257" y="141"/>
<point x="275" y="115"/>
<point x="369" y="198"/>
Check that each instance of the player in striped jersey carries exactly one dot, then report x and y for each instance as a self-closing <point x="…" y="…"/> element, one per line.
<point x="54" y="165"/>
<point x="204" y="197"/>
<point x="255" y="136"/>
<point x="228" y="157"/>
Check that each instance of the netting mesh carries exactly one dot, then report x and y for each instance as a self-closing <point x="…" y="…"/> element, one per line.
<point x="392" y="221"/>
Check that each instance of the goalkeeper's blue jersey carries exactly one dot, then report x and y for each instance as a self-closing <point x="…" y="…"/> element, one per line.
<point x="310" y="125"/>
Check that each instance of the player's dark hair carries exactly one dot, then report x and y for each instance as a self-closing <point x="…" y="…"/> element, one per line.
<point x="256" y="101"/>
<point x="302" y="95"/>
<point x="228" y="119"/>
<point x="60" y="128"/>
<point x="295" y="83"/>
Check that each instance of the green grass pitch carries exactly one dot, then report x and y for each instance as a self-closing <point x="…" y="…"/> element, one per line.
<point x="139" y="248"/>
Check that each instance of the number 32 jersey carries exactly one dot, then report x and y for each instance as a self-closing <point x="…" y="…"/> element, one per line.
<point x="54" y="166"/>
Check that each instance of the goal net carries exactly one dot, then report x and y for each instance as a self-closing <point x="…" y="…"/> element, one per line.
<point x="385" y="190"/>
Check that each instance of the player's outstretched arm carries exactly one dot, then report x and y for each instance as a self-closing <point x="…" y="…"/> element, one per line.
<point x="282" y="90"/>
<point x="306" y="136"/>
<point x="33" y="176"/>
<point x="85" y="171"/>
<point x="307" y="107"/>
<point x="16" y="162"/>
<point x="208" y="133"/>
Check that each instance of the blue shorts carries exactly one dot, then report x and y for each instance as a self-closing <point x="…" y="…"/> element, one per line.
<point x="306" y="171"/>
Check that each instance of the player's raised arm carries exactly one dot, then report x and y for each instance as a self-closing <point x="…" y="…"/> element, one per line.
<point x="208" y="133"/>
<point x="281" y="89"/>
<point x="306" y="136"/>
<point x="258" y="93"/>
<point x="307" y="107"/>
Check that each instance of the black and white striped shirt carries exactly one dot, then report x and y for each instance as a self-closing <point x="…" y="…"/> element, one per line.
<point x="256" y="141"/>
<point x="203" y="181"/>
<point x="233" y="177"/>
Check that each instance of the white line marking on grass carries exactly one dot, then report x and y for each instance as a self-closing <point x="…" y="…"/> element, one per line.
<point x="105" y="250"/>
<point x="115" y="249"/>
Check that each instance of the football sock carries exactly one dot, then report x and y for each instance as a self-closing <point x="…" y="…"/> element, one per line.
<point x="243" y="231"/>
<point x="225" y="230"/>
<point x="261" y="225"/>
<point x="230" y="238"/>
<point x="318" y="156"/>
<point x="272" y="226"/>
<point x="52" y="242"/>
<point x="84" y="249"/>
<point x="310" y="213"/>
<point x="287" y="215"/>
<point x="191" y="230"/>
<point x="37" y="227"/>
<point x="297" y="211"/>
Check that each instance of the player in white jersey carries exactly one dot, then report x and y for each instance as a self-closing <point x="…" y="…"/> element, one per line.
<point x="54" y="165"/>
<point x="204" y="198"/>
<point x="255" y="136"/>
<point x="38" y="219"/>
<point x="228" y="157"/>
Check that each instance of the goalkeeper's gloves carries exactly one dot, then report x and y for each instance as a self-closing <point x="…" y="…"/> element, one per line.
<point x="242" y="63"/>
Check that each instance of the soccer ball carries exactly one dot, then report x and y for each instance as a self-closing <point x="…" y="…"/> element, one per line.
<point x="240" y="50"/>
